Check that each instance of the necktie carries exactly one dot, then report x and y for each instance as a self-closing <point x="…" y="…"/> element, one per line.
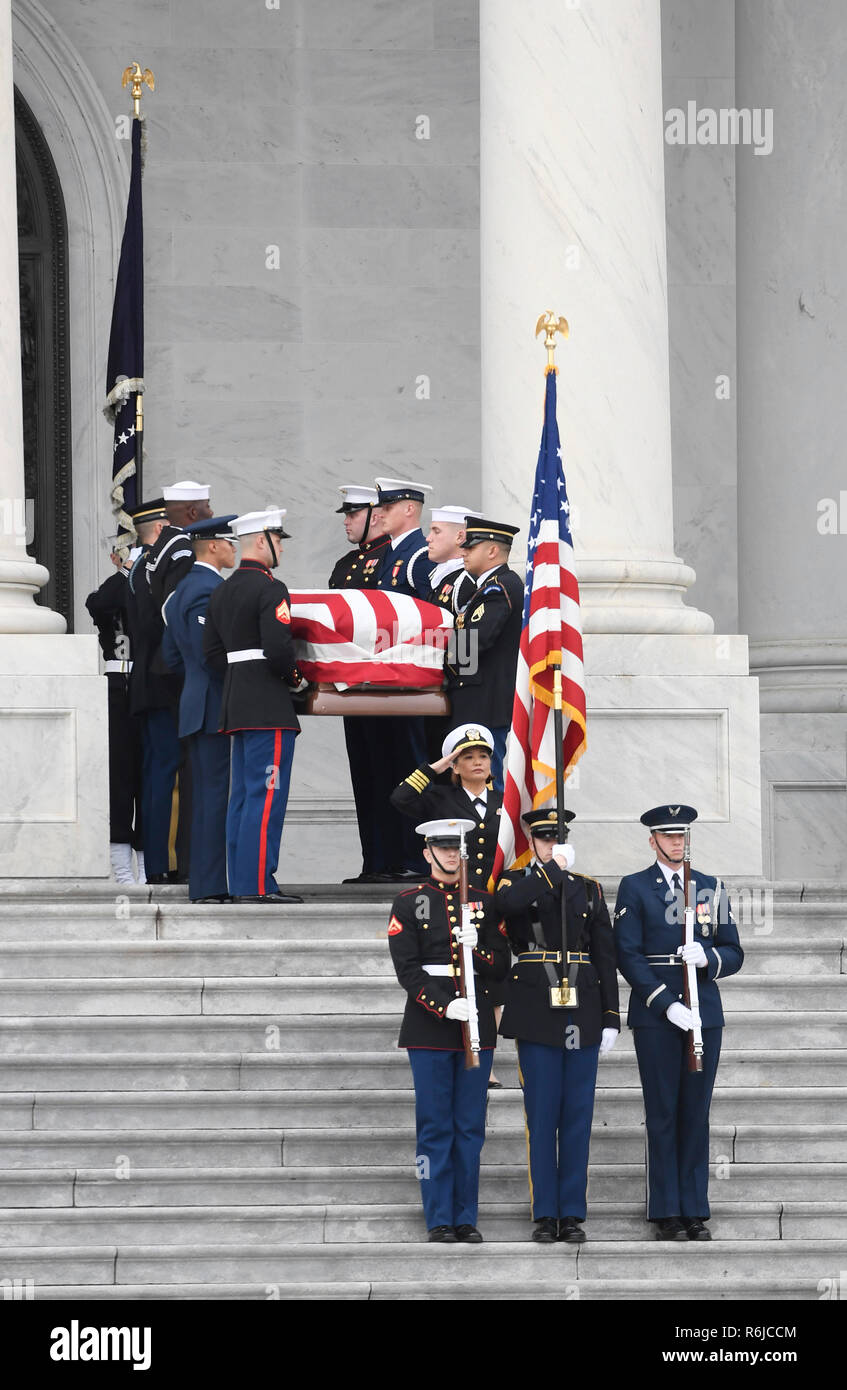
<point x="480" y="807"/>
<point x="679" y="899"/>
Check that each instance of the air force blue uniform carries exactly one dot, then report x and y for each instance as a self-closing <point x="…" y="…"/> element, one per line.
<point x="199" y="714"/>
<point x="649" y="928"/>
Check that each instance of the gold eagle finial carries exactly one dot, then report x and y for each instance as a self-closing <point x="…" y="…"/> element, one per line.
<point x="137" y="77"/>
<point x="551" y="326"/>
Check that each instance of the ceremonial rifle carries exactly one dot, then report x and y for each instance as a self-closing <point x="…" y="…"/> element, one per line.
<point x="690" y="995"/>
<point x="470" y="1030"/>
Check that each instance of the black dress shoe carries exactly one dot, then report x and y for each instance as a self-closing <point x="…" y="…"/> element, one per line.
<point x="546" y="1231"/>
<point x="220" y="898"/>
<point x="570" y="1231"/>
<point x="402" y="876"/>
<point x="442" y="1235"/>
<point x="469" y="1235"/>
<point x="275" y="899"/>
<point x="670" y="1228"/>
<point x="696" y="1228"/>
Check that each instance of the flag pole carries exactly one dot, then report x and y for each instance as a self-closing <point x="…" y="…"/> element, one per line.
<point x="137" y="78"/>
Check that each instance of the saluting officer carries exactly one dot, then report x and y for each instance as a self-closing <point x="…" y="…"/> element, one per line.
<point x="184" y="613"/>
<point x="358" y="569"/>
<point x="562" y="1007"/>
<point x="480" y="674"/>
<point x="649" y="922"/>
<point x="425" y="937"/>
<point x="248" y="639"/>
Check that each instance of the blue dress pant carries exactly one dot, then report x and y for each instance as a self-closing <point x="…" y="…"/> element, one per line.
<point x="209" y="757"/>
<point x="160" y="760"/>
<point x="450" y="1104"/>
<point x="558" y="1094"/>
<point x="260" y="778"/>
<point x="501" y="733"/>
<point x="676" y="1105"/>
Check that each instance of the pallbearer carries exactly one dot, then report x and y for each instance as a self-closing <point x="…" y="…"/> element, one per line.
<point x="649" y="931"/>
<point x="248" y="639"/>
<point x="425" y="937"/>
<point x="562" y="1008"/>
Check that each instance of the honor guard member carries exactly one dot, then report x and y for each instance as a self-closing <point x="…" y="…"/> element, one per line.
<point x="363" y="525"/>
<point x="172" y="556"/>
<point x="154" y="697"/>
<point x="200" y="704"/>
<point x="363" y="735"/>
<point x="449" y="582"/>
<point x="649" y="927"/>
<point x="404" y="570"/>
<point x="562" y="1008"/>
<point x="425" y="937"/>
<point x="248" y="639"/>
<point x="480" y="673"/>
<point x="108" y="607"/>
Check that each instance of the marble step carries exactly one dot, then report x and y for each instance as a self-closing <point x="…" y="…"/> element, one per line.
<point x="347" y="1111"/>
<point x="385" y="1070"/>
<point x="310" y="1035"/>
<point x="303" y="1224"/>
<point x="347" y="957"/>
<point x="123" y="1149"/>
<point x="822" y="1183"/>
<point x="293" y="997"/>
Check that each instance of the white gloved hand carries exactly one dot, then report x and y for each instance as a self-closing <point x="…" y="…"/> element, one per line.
<point x="458" y="1009"/>
<point x="680" y="1016"/>
<point x="608" y="1040"/>
<point x="693" y="954"/>
<point x="565" y="856"/>
<point x="466" y="936"/>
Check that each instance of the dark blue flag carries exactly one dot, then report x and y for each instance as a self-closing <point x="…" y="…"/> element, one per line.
<point x="125" y="372"/>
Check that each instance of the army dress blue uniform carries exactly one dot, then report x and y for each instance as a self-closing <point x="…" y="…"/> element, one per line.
<point x="199" y="719"/>
<point x="648" y="930"/>
<point x="558" y="1048"/>
<point x="450" y="1101"/>
<point x="247" y="638"/>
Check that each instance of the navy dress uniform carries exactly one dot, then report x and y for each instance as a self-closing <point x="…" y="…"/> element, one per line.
<point x="154" y="697"/>
<point x="450" y="1100"/>
<point x="248" y="639"/>
<point x="480" y="673"/>
<point x="172" y="556"/>
<point x="184" y="614"/>
<point x="558" y="1039"/>
<point x="358" y="569"/>
<point x="649" y="926"/>
<point x="450" y="585"/>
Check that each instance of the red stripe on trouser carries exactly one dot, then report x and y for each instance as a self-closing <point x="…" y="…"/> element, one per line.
<point x="266" y="812"/>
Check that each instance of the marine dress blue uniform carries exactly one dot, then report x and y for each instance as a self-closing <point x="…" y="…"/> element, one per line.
<point x="649" y="928"/>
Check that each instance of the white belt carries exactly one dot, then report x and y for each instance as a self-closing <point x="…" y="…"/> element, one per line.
<point x="124" y="667"/>
<point x="439" y="970"/>
<point x="247" y="654"/>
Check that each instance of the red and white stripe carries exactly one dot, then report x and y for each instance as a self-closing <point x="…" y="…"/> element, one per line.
<point x="368" y="637"/>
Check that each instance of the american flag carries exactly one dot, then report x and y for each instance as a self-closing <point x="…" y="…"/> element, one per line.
<point x="367" y="637"/>
<point x="125" y="370"/>
<point x="551" y="635"/>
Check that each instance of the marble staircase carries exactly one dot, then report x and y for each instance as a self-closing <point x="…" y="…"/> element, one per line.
<point x="207" y="1102"/>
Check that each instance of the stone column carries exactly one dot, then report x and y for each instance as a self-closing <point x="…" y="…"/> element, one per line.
<point x="792" y="419"/>
<point x="20" y="576"/>
<point x="573" y="220"/>
<point x="54" y="810"/>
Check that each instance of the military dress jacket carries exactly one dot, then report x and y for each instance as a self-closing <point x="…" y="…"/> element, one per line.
<point x="151" y="684"/>
<point x="168" y="561"/>
<point x="404" y="568"/>
<point x="453" y="590"/>
<point x="480" y="673"/>
<point x="107" y="607"/>
<point x="358" y="568"/>
<point x="421" y="797"/>
<point x="251" y="613"/>
<point x="184" y="614"/>
<point x="648" y="923"/>
<point x="530" y="903"/>
<point x="420" y="933"/>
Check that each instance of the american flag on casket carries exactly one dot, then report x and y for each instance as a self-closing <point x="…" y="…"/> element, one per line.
<point x="347" y="637"/>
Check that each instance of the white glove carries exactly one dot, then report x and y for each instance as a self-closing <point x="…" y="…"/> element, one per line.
<point x="565" y="856"/>
<point x="680" y="1016"/>
<point x="458" y="1009"/>
<point x="608" y="1040"/>
<point x="466" y="936"/>
<point x="693" y="954"/>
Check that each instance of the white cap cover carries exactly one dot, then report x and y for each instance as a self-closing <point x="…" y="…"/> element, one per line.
<point x="468" y="736"/>
<point x="353" y="493"/>
<point x="444" y="829"/>
<point x="251" y="523"/>
<point x="454" y="515"/>
<point x="186" y="492"/>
